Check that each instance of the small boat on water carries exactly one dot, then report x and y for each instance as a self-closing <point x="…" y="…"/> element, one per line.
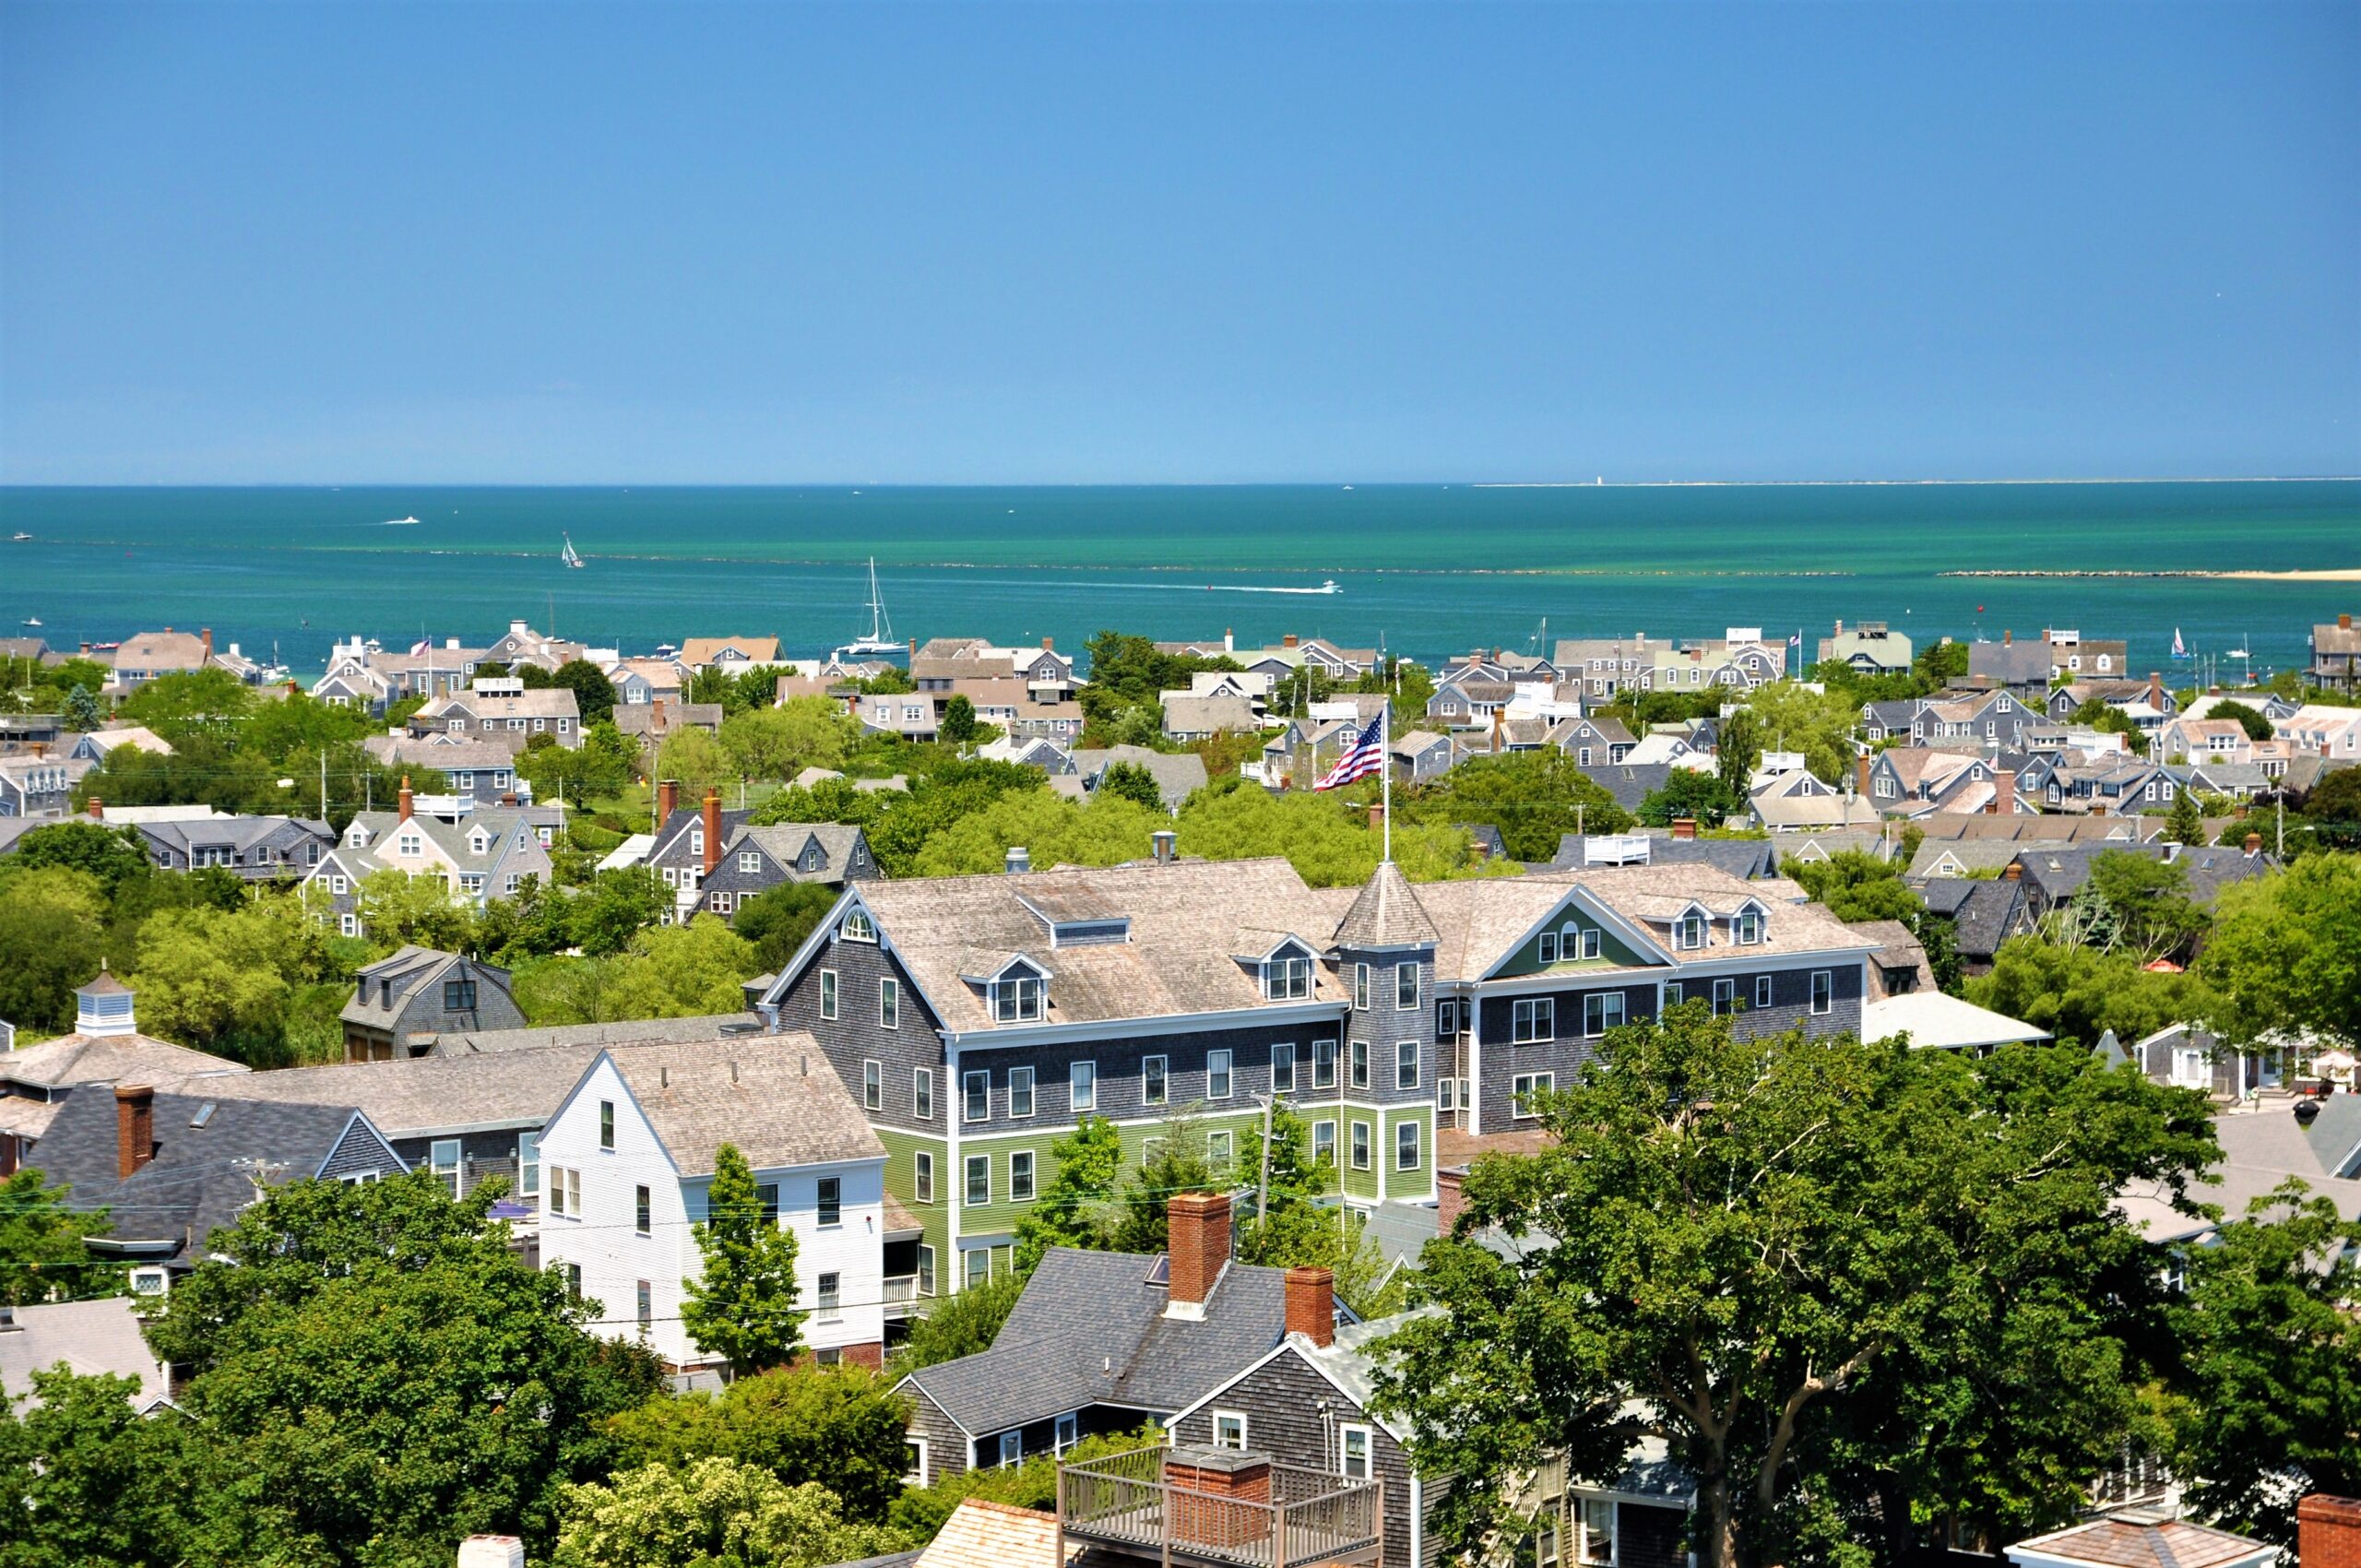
<point x="32" y="620"/>
<point x="401" y="522"/>
<point x="20" y="538"/>
<point x="880" y="641"/>
<point x="568" y="556"/>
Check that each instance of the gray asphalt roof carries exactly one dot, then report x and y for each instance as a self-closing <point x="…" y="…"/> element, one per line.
<point x="1090" y="1330"/>
<point x="90" y="1337"/>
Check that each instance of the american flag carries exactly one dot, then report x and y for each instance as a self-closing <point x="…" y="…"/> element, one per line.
<point x="419" y="647"/>
<point x="1361" y="759"/>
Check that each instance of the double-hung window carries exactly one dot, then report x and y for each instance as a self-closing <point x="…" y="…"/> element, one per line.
<point x="1547" y="945"/>
<point x="1016" y="999"/>
<point x="975" y="1096"/>
<point x="528" y="1164"/>
<point x="922" y="1178"/>
<point x="1229" y="1429"/>
<point x="1750" y="926"/>
<point x="889" y="1004"/>
<point x="1218" y="1074"/>
<point x="1082" y="1086"/>
<point x="1690" y="932"/>
<point x="976" y="1264"/>
<point x="828" y="996"/>
<point x="1217" y="1150"/>
<point x="1823" y="991"/>
<point x="1602" y="1011"/>
<point x="1065" y="1431"/>
<point x="1323" y="1143"/>
<point x="873" y="1084"/>
<point x="459" y="995"/>
<point x="1360" y="1145"/>
<point x="1283" y="1069"/>
<point x="1324" y="1063"/>
<point x="1020" y="1176"/>
<point x="1406" y="1146"/>
<point x="606" y="1123"/>
<point x="1012" y="1449"/>
<point x="1020" y="1091"/>
<point x="1447" y="1018"/>
<point x="1406" y="1064"/>
<point x="1154" y="1077"/>
<point x="1361" y="988"/>
<point x="1524" y="1087"/>
<point x="1352" y="1452"/>
<point x="1359" y="1060"/>
<point x="979" y="1179"/>
<point x="830" y="1294"/>
<point x="1287" y="978"/>
<point x="1405" y="986"/>
<point x="1533" y="1018"/>
<point x="443" y="1158"/>
<point x="923" y="1093"/>
<point x="1725" y="997"/>
<point x="1761" y="991"/>
<point x="829" y="1203"/>
<point x="1585" y="943"/>
<point x="643" y="1211"/>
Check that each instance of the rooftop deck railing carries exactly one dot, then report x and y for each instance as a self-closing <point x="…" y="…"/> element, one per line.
<point x="1130" y="1502"/>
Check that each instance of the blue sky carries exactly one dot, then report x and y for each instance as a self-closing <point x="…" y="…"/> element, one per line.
<point x="581" y="242"/>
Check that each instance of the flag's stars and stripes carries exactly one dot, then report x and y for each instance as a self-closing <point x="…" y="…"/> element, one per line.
<point x="1361" y="759"/>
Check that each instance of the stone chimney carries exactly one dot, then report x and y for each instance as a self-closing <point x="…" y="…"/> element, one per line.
<point x="404" y="800"/>
<point x="1167" y="845"/>
<point x="135" y="1128"/>
<point x="1312" y="1304"/>
<point x="1198" y="1224"/>
<point x="98" y="809"/>
<point x="712" y="828"/>
<point x="2253" y="846"/>
<point x="1684" y="827"/>
<point x="2327" y="1531"/>
<point x="1017" y="861"/>
<point x="205" y="635"/>
<point x="1861" y="776"/>
<point x="667" y="799"/>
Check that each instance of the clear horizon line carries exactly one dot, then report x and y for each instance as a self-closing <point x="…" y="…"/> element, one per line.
<point x="1594" y="483"/>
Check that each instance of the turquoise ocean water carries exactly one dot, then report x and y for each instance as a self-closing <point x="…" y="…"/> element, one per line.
<point x="1426" y="569"/>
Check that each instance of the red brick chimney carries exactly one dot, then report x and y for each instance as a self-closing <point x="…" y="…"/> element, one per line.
<point x="1861" y="776"/>
<point x="2344" y="623"/>
<point x="2253" y="845"/>
<point x="135" y="1128"/>
<point x="206" y="636"/>
<point x="1684" y="827"/>
<point x="2016" y="872"/>
<point x="2006" y="637"/>
<point x="98" y="808"/>
<point x="1289" y="640"/>
<point x="656" y="718"/>
<point x="1376" y="815"/>
<point x="712" y="828"/>
<point x="1049" y="644"/>
<point x="667" y="799"/>
<point x="2327" y="1531"/>
<point x="2155" y="689"/>
<point x="404" y="799"/>
<point x="1199" y="1228"/>
<point x="1451" y="1199"/>
<point x="2004" y="793"/>
<point x="1312" y="1304"/>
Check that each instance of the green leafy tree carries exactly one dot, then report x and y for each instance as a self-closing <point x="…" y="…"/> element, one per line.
<point x="52" y="926"/>
<point x="1687" y="792"/>
<point x="594" y="694"/>
<point x="2250" y="719"/>
<point x="958" y="724"/>
<point x="696" y="759"/>
<point x="616" y="907"/>
<point x="112" y="856"/>
<point x="1412" y="686"/>
<point x="232" y="981"/>
<point x="1794" y="717"/>
<point x="2271" y="1354"/>
<point x="1740" y="748"/>
<point x="91" y="1481"/>
<point x="379" y="1375"/>
<point x="1856" y="886"/>
<point x="839" y="1427"/>
<point x="1131" y="782"/>
<point x="1178" y="1161"/>
<point x="1732" y="1243"/>
<point x="2333" y="809"/>
<point x="2285" y="956"/>
<point x="1102" y="831"/>
<point x="1141" y="724"/>
<point x="1534" y="798"/>
<point x="42" y="1255"/>
<point x="1304" y="1226"/>
<point x="683" y="971"/>
<point x="2145" y="901"/>
<point x="2078" y="993"/>
<point x="714" y="1512"/>
<point x="777" y="920"/>
<point x="81" y="710"/>
<point x="2184" y="823"/>
<point x="396" y="908"/>
<point x="600" y="766"/>
<point x="712" y="685"/>
<point x="919" y="1511"/>
<point x="1076" y="1208"/>
<point x="961" y="1324"/>
<point x="758" y="687"/>
<point x="178" y="706"/>
<point x="892" y="681"/>
<point x="1941" y="662"/>
<point x="780" y="743"/>
<point x="741" y="1306"/>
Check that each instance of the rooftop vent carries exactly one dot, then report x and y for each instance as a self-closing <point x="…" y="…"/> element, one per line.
<point x="1018" y="860"/>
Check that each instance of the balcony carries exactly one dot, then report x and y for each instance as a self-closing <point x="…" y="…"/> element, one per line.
<point x="1220" y="1508"/>
<point x="903" y="1296"/>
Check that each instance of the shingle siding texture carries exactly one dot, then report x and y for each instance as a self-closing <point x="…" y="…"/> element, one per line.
<point x="1503" y="1062"/>
<point x="856" y="1036"/>
<point x="357" y="1151"/>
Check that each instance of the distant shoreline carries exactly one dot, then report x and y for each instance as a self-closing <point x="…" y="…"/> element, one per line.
<point x="2325" y="575"/>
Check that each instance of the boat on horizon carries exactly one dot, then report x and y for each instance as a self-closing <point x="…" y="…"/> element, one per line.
<point x="401" y="523"/>
<point x="568" y="555"/>
<point x="1328" y="587"/>
<point x="880" y="641"/>
<point x="32" y="620"/>
<point x="20" y="538"/>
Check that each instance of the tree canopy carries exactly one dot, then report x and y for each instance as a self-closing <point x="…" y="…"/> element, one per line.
<point x="741" y="1305"/>
<point x="2284" y="953"/>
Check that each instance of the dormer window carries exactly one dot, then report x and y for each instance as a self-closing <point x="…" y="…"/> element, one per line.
<point x="477" y="843"/>
<point x="857" y="927"/>
<point x="357" y="837"/>
<point x="1287" y="976"/>
<point x="1018" y="997"/>
<point x="697" y="840"/>
<point x="1746" y="929"/>
<point x="1689" y="931"/>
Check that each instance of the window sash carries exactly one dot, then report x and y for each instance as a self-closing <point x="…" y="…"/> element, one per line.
<point x="979" y="1179"/>
<point x="1406" y="1146"/>
<point x="922" y="1177"/>
<point x="829" y="994"/>
<point x="1082" y="1086"/>
<point x="1283" y="1069"/>
<point x="1218" y="1074"/>
<point x="1324" y="1063"/>
<point x="873" y="1084"/>
<point x="1155" y="1080"/>
<point x="1020" y="1176"/>
<point x="1406" y="1064"/>
<point x="1406" y="987"/>
<point x="889" y="1004"/>
<point x="829" y="1201"/>
<point x="923" y="1093"/>
<point x="1359" y="1065"/>
<point x="1020" y="1091"/>
<point x="1360" y="1145"/>
<point x="1823" y="992"/>
<point x="975" y="1096"/>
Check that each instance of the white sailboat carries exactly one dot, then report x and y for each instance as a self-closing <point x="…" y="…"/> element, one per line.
<point x="568" y="556"/>
<point x="880" y="641"/>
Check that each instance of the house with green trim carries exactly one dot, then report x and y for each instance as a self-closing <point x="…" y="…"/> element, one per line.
<point x="979" y="1019"/>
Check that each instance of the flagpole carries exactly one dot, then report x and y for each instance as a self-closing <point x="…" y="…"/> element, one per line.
<point x="1385" y="772"/>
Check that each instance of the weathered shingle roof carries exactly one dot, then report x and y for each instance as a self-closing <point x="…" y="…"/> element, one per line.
<point x="416" y="1096"/>
<point x="1386" y="914"/>
<point x="107" y="1059"/>
<point x="91" y="1338"/>
<point x="774" y="1096"/>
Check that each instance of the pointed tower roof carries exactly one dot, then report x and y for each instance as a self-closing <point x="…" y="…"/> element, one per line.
<point x="1387" y="914"/>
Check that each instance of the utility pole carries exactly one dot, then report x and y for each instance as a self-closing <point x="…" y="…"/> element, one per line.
<point x="324" y="784"/>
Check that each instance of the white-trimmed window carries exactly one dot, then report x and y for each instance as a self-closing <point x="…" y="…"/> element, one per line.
<point x="829" y="994"/>
<point x="922" y="1178"/>
<point x="1066" y="1431"/>
<point x="1547" y="943"/>
<point x="974" y="1097"/>
<point x="1286" y="977"/>
<point x="889" y="1004"/>
<point x="1229" y="1429"/>
<point x="607" y="1124"/>
<point x="1406" y="1146"/>
<point x="1823" y="991"/>
<point x="1359" y="1065"/>
<point x="1155" y="1079"/>
<point x="1524" y="1087"/>
<point x="1354" y="1448"/>
<point x="443" y="1158"/>
<point x="1020" y="1176"/>
<point x="1020" y="1091"/>
<point x="1361" y="988"/>
<point x="1725" y="997"/>
<point x="1405" y="986"/>
<point x="873" y="1084"/>
<point x="1595" y="1545"/>
<point x="976" y="1265"/>
<point x="1016" y="998"/>
<point x="750" y="861"/>
<point x="1360" y="1145"/>
<point x="1011" y="1444"/>
<point x="923" y="1093"/>
<point x="1406" y="1064"/>
<point x="1082" y="1086"/>
<point x="1283" y="1069"/>
<point x="1533" y="1018"/>
<point x="1689" y="931"/>
<point x="528" y="1165"/>
<point x="857" y="926"/>
<point x="1447" y="1024"/>
<point x="1750" y="926"/>
<point x="1218" y="1150"/>
<point x="1218" y="1074"/>
<point x="643" y="1210"/>
<point x="1761" y="991"/>
<point x="1602" y="1011"/>
<point x="1323" y="1143"/>
<point x="980" y="1179"/>
<point x="828" y="1202"/>
<point x="1324" y="1063"/>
